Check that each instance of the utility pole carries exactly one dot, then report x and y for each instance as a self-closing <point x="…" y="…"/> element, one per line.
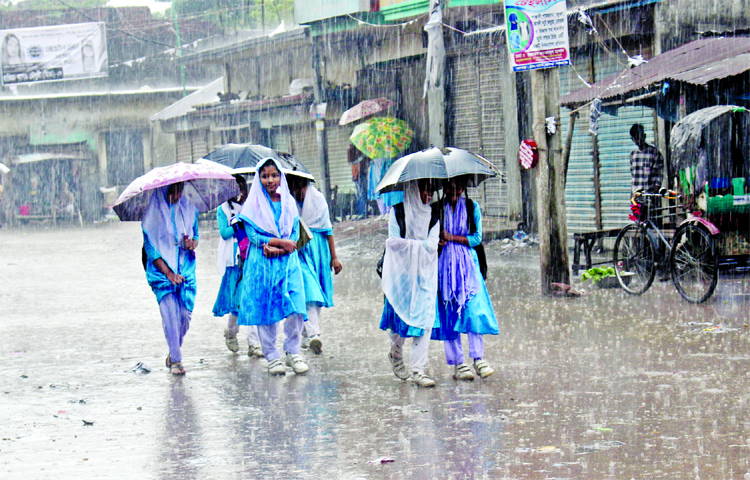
<point x="553" y="235"/>
<point x="320" y="124"/>
<point x="179" y="49"/>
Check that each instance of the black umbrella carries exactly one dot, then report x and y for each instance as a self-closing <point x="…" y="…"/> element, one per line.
<point x="243" y="158"/>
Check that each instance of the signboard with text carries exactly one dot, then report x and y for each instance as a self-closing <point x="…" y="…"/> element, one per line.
<point x="537" y="33"/>
<point x="49" y="54"/>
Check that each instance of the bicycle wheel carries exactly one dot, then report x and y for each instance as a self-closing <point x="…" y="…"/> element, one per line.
<point x="634" y="259"/>
<point x="693" y="263"/>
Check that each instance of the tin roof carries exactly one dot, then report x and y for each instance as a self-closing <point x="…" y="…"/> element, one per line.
<point x="698" y="63"/>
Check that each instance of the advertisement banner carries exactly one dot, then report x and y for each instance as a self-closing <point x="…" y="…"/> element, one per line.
<point x="50" y="54"/>
<point x="537" y="33"/>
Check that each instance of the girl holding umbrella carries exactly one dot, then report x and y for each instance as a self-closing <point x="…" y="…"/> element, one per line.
<point x="272" y="288"/>
<point x="410" y="279"/>
<point x="170" y="236"/>
<point x="231" y="253"/>
<point x="464" y="305"/>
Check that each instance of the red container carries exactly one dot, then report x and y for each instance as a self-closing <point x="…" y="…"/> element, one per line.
<point x="23" y="210"/>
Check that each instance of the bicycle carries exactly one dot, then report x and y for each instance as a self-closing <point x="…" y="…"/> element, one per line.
<point x="638" y="245"/>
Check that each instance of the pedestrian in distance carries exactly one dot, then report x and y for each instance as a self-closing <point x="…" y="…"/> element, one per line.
<point x="170" y="237"/>
<point x="317" y="257"/>
<point x="232" y="252"/>
<point x="464" y="306"/>
<point x="410" y="280"/>
<point x="271" y="289"/>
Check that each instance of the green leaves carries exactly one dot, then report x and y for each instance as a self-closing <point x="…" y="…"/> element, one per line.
<point x="596" y="274"/>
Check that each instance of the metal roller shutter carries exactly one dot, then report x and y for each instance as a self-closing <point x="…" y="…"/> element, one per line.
<point x="338" y="166"/>
<point x="183" y="148"/>
<point x="615" y="146"/>
<point x="493" y="130"/>
<point x="477" y="120"/>
<point x="199" y="140"/>
<point x="304" y="146"/>
<point x="614" y="153"/>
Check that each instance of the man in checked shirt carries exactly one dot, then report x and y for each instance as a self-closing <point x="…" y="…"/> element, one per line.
<point x="646" y="165"/>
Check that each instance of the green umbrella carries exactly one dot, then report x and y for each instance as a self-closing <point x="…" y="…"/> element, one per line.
<point x="382" y="137"/>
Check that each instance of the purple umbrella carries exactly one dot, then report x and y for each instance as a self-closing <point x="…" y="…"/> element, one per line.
<point x="207" y="186"/>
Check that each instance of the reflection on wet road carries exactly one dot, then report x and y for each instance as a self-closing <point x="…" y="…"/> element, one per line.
<point x="603" y="386"/>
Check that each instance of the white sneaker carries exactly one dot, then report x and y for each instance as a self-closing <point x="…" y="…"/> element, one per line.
<point x="422" y="380"/>
<point x="305" y="342"/>
<point x="231" y="340"/>
<point x="316" y="345"/>
<point x="296" y="362"/>
<point x="483" y="368"/>
<point x="275" y="367"/>
<point x="399" y="369"/>
<point x="463" y="372"/>
<point x="254" y="351"/>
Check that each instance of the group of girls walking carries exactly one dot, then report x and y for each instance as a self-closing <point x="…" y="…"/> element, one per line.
<point x="431" y="276"/>
<point x="266" y="279"/>
<point x="433" y="284"/>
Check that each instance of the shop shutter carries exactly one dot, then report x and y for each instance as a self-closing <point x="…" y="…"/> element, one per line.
<point x="338" y="166"/>
<point x="493" y="130"/>
<point x="182" y="145"/>
<point x="476" y="126"/>
<point x="199" y="140"/>
<point x="304" y="146"/>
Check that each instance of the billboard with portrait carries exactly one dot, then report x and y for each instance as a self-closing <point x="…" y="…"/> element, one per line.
<point x="50" y="54"/>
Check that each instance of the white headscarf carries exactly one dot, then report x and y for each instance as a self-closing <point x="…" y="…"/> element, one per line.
<point x="410" y="278"/>
<point x="315" y="210"/>
<point x="157" y="223"/>
<point x="258" y="208"/>
<point x="417" y="214"/>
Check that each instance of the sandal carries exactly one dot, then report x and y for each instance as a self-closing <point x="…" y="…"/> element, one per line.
<point x="169" y="360"/>
<point x="177" y="369"/>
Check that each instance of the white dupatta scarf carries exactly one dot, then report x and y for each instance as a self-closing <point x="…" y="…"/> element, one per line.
<point x="315" y="210"/>
<point x="258" y="208"/>
<point x="410" y="278"/>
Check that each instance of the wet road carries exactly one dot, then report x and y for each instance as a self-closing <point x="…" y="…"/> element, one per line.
<point x="602" y="386"/>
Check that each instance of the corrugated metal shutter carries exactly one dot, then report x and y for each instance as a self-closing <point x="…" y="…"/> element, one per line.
<point x="199" y="140"/>
<point x="615" y="146"/>
<point x="479" y="127"/>
<point x="614" y="153"/>
<point x="493" y="130"/>
<point x="183" y="148"/>
<point x="304" y="146"/>
<point x="338" y="166"/>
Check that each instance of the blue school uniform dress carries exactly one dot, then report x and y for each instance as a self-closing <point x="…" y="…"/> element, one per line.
<point x="227" y="300"/>
<point x="389" y="319"/>
<point x="315" y="262"/>
<point x="478" y="316"/>
<point x="158" y="282"/>
<point x="271" y="288"/>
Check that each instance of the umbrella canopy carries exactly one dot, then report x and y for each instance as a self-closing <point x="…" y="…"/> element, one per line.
<point x="382" y="137"/>
<point x="364" y="109"/>
<point x="243" y="157"/>
<point x="207" y="186"/>
<point x="423" y="164"/>
<point x="436" y="163"/>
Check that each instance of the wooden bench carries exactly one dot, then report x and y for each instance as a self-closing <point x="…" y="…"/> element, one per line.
<point x="585" y="241"/>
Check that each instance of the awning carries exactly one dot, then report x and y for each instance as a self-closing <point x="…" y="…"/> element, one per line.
<point x="206" y="95"/>
<point x="38" y="157"/>
<point x="696" y="63"/>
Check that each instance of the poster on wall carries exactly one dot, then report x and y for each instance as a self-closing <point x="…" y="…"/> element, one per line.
<point x="50" y="54"/>
<point x="537" y="33"/>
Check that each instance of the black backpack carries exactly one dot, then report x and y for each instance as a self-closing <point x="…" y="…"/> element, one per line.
<point x="401" y="219"/>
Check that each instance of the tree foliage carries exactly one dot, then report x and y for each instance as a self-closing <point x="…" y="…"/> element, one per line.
<point x="49" y="4"/>
<point x="237" y="14"/>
